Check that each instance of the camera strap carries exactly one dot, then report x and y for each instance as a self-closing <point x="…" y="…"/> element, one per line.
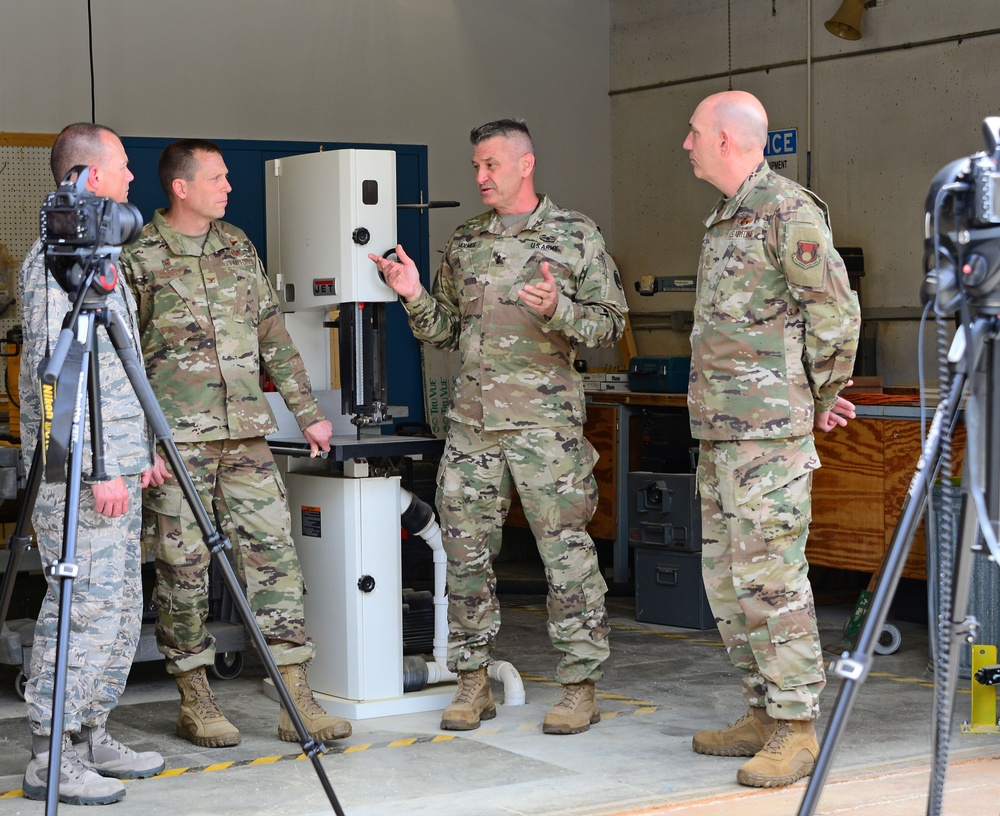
<point x="58" y="403"/>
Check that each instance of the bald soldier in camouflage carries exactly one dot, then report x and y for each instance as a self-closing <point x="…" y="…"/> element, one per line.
<point x="209" y="321"/>
<point x="520" y="288"/>
<point x="775" y="333"/>
<point x="106" y="608"/>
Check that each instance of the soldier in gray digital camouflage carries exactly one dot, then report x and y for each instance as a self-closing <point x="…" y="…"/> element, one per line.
<point x="106" y="609"/>
<point x="775" y="334"/>
<point x="210" y="322"/>
<point x="520" y="288"/>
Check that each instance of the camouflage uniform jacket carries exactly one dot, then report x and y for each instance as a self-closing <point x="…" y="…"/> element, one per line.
<point x="128" y="445"/>
<point x="775" y="322"/>
<point x="516" y="366"/>
<point x="209" y="320"/>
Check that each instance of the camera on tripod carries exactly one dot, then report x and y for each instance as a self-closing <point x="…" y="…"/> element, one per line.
<point x="84" y="233"/>
<point x="962" y="229"/>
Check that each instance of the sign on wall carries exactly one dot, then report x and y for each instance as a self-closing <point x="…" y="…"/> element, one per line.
<point x="781" y="152"/>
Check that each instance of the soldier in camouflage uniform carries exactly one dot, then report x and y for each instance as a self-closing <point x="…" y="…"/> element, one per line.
<point x="775" y="333"/>
<point x="520" y="288"/>
<point x="106" y="611"/>
<point x="209" y="320"/>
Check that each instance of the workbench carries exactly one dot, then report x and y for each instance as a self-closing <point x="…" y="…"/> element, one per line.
<point x="857" y="494"/>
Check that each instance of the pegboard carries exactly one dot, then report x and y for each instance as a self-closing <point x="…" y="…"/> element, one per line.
<point x="25" y="180"/>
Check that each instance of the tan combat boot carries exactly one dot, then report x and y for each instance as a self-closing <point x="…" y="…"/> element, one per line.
<point x="200" y="720"/>
<point x="789" y="754"/>
<point x="473" y="701"/>
<point x="745" y="737"/>
<point x="575" y="711"/>
<point x="320" y="725"/>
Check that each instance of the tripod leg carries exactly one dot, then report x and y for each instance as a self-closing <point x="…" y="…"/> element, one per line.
<point x="214" y="540"/>
<point x="854" y="667"/>
<point x="956" y="625"/>
<point x="65" y="571"/>
<point x="955" y="629"/>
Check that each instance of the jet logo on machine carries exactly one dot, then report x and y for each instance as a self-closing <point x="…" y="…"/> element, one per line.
<point x="325" y="286"/>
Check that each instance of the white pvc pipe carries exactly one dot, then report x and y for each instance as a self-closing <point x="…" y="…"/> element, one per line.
<point x="437" y="670"/>
<point x="513" y="688"/>
<point x="432" y="535"/>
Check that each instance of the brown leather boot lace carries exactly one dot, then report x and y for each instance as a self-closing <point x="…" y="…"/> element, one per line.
<point x="781" y="734"/>
<point x="202" y="700"/>
<point x="468" y="688"/>
<point x="571" y="695"/>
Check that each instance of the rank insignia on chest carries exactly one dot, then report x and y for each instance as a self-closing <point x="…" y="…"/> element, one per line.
<point x="806" y="254"/>
<point x="499" y="259"/>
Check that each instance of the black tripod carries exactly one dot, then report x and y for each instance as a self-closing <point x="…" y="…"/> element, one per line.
<point x="974" y="371"/>
<point x="962" y="259"/>
<point x="77" y="340"/>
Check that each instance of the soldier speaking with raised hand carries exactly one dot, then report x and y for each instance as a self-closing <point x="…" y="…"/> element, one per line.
<point x="520" y="288"/>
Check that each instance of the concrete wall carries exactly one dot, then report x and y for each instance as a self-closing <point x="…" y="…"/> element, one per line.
<point x="887" y="112"/>
<point x="400" y="71"/>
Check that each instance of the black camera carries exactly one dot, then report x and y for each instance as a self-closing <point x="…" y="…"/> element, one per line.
<point x="962" y="229"/>
<point x="83" y="233"/>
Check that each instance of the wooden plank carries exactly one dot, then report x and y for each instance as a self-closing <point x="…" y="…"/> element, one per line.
<point x="902" y="451"/>
<point x="601" y="431"/>
<point x="27" y="139"/>
<point x="859" y="492"/>
<point x="847" y="530"/>
<point x="636" y="398"/>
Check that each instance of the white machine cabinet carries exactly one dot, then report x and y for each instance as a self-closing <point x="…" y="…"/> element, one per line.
<point x="350" y="553"/>
<point x="346" y="533"/>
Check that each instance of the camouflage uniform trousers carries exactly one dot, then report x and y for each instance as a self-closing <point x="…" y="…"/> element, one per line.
<point x="552" y="469"/>
<point x="105" y="612"/>
<point x="755" y="514"/>
<point x="241" y="488"/>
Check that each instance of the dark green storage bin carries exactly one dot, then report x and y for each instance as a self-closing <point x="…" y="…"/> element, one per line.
<point x="669" y="589"/>
<point x="660" y="375"/>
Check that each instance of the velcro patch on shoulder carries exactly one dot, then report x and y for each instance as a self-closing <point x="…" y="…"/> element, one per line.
<point x="806" y="254"/>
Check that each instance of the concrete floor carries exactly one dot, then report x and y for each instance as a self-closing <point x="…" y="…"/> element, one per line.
<point x="661" y="685"/>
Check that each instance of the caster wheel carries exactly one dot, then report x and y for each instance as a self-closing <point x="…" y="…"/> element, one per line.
<point x="227" y="665"/>
<point x="20" y="683"/>
<point x="888" y="640"/>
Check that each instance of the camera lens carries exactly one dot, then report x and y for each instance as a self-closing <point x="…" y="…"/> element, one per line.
<point x="126" y="224"/>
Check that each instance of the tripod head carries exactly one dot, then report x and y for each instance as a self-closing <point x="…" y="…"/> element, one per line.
<point x="83" y="235"/>
<point x="962" y="231"/>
